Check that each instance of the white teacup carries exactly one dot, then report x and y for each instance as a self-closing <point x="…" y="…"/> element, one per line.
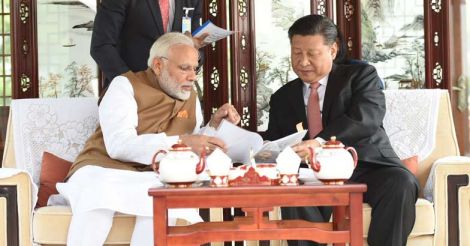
<point x="288" y="162"/>
<point x="219" y="164"/>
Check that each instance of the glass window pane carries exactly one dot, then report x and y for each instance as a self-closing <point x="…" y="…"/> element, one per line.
<point x="1" y="25"/>
<point x="273" y="19"/>
<point x="6" y="24"/>
<point x="2" y="87"/>
<point x="393" y="41"/>
<point x="7" y="45"/>
<point x="7" y="65"/>
<point x="2" y="67"/>
<point x="1" y="44"/>
<point x="8" y="85"/>
<point x="6" y="6"/>
<point x="66" y="68"/>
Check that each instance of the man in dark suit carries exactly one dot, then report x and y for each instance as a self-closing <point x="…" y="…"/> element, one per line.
<point x="124" y="31"/>
<point x="352" y="107"/>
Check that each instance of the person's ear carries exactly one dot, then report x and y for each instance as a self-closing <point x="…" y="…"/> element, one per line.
<point x="334" y="50"/>
<point x="157" y="65"/>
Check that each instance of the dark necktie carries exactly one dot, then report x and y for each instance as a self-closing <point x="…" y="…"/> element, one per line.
<point x="164" y="10"/>
<point x="313" y="111"/>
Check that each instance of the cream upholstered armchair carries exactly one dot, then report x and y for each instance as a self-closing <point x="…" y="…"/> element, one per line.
<point x="442" y="210"/>
<point x="61" y="126"/>
<point x="419" y="123"/>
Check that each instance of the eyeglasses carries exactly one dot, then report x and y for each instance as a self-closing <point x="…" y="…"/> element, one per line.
<point x="184" y="68"/>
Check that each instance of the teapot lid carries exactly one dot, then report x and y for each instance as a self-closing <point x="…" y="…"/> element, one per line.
<point x="333" y="143"/>
<point x="180" y="146"/>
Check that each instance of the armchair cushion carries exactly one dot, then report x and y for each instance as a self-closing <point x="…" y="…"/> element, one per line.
<point x="50" y="226"/>
<point x="53" y="169"/>
<point x="424" y="209"/>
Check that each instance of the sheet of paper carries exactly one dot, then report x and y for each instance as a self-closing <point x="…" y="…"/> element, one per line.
<point x="215" y="32"/>
<point x="239" y="141"/>
<point x="270" y="150"/>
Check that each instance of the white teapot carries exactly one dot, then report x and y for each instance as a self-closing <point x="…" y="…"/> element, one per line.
<point x="180" y="165"/>
<point x="333" y="163"/>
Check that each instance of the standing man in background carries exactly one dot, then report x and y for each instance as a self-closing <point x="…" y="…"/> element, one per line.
<point x="124" y="31"/>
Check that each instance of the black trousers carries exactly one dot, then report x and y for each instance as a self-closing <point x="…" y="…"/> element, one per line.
<point x="391" y="192"/>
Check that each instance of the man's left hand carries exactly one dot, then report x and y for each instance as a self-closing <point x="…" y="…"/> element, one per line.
<point x="227" y="112"/>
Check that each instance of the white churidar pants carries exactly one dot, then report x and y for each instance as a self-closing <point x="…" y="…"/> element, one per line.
<point x="95" y="194"/>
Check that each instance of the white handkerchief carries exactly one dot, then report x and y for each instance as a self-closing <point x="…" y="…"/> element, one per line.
<point x="288" y="162"/>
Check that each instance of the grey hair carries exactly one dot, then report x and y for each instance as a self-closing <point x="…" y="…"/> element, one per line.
<point x="163" y="44"/>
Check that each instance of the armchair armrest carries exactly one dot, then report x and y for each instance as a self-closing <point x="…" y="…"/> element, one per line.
<point x="15" y="209"/>
<point x="452" y="201"/>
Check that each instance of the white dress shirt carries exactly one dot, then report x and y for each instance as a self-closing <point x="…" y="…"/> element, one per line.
<point x="118" y="120"/>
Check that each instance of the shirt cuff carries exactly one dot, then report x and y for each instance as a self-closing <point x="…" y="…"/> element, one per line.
<point x="208" y="130"/>
<point x="320" y="140"/>
<point x="170" y="140"/>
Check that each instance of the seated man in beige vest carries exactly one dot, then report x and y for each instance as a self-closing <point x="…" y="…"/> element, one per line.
<point x="140" y="114"/>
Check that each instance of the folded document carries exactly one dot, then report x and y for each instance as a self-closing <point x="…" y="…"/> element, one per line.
<point x="241" y="142"/>
<point x="215" y="33"/>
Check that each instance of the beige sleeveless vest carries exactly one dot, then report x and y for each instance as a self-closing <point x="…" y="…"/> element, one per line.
<point x="157" y="112"/>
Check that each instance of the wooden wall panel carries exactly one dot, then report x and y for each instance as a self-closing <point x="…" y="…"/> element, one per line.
<point x="348" y="19"/>
<point x="24" y="49"/>
<point x="322" y="7"/>
<point x="243" y="76"/>
<point x="436" y="43"/>
<point x="216" y="57"/>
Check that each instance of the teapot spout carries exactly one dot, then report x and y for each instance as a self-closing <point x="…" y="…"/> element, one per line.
<point x="202" y="162"/>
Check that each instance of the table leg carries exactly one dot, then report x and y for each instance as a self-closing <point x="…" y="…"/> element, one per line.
<point x="339" y="220"/>
<point x="160" y="221"/>
<point x="355" y="213"/>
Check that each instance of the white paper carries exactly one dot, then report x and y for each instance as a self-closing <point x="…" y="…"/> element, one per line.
<point x="215" y="33"/>
<point x="271" y="150"/>
<point x="239" y="142"/>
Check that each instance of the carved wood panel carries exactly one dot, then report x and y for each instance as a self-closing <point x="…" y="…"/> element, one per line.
<point x="322" y="7"/>
<point x="348" y="13"/>
<point x="436" y="43"/>
<point x="243" y="87"/>
<point x="24" y="49"/>
<point x="215" y="62"/>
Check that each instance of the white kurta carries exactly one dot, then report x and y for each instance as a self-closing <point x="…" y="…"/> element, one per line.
<point x="93" y="187"/>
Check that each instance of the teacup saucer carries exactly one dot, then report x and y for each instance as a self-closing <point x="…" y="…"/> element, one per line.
<point x="183" y="184"/>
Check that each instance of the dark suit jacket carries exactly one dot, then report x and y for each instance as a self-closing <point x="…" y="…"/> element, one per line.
<point x="124" y="31"/>
<point x="353" y="110"/>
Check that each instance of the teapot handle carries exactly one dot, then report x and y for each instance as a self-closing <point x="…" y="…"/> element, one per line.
<point x="155" y="164"/>
<point x="354" y="154"/>
<point x="202" y="162"/>
<point x="314" y="164"/>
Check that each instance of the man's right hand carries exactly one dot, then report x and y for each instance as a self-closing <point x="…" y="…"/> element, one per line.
<point x="302" y="149"/>
<point x="199" y="142"/>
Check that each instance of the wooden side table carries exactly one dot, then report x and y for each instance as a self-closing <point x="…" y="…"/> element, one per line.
<point x="255" y="200"/>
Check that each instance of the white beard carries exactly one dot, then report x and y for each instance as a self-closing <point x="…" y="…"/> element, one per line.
<point x="172" y="87"/>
